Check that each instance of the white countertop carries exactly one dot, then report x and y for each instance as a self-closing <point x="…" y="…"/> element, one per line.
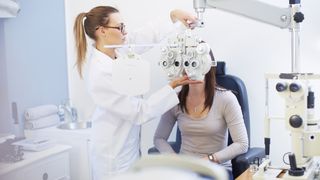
<point x="83" y="133"/>
<point x="30" y="157"/>
<point x="4" y="137"/>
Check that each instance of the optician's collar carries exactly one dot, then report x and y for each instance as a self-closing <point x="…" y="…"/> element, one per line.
<point x="101" y="54"/>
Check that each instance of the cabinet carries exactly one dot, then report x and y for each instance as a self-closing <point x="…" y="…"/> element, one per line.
<point x="50" y="164"/>
<point x="79" y="140"/>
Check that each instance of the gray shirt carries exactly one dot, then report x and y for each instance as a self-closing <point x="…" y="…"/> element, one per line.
<point x="208" y="134"/>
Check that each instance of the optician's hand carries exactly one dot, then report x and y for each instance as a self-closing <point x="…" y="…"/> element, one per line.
<point x="183" y="81"/>
<point x="185" y="17"/>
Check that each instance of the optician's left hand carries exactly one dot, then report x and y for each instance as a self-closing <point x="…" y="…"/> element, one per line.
<point x="180" y="81"/>
<point x="185" y="17"/>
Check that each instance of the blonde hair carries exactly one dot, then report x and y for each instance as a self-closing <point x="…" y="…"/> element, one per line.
<point x="87" y="23"/>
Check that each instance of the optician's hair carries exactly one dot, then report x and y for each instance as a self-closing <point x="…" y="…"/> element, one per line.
<point x="210" y="89"/>
<point x="88" y="23"/>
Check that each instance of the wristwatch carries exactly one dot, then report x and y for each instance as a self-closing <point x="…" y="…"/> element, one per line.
<point x="211" y="157"/>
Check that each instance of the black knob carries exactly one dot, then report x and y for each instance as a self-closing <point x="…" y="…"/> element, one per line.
<point x="295" y="121"/>
<point x="310" y="99"/>
<point x="177" y="63"/>
<point x="294" y="170"/>
<point x="164" y="63"/>
<point x="281" y="86"/>
<point x="194" y="64"/>
<point x="186" y="63"/>
<point x="267" y="145"/>
<point x="294" y="87"/>
<point x="298" y="17"/>
<point x="294" y="1"/>
<point x="45" y="176"/>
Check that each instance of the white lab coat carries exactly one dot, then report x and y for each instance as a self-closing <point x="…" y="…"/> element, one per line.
<point x="117" y="118"/>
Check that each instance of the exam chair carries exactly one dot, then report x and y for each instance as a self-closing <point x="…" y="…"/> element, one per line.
<point x="241" y="162"/>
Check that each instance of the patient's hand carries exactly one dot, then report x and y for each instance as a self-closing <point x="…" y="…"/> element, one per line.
<point x="215" y="160"/>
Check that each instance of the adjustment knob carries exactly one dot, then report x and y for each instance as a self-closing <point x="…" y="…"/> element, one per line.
<point x="298" y="17"/>
<point x="203" y="48"/>
<point x="164" y="63"/>
<point x="294" y="87"/>
<point x="280" y="87"/>
<point x="171" y="55"/>
<point x="177" y="63"/>
<point x="194" y="64"/>
<point x="186" y="63"/>
<point x="295" y="121"/>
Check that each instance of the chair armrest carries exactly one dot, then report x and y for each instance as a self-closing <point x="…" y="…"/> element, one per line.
<point x="242" y="162"/>
<point x="174" y="146"/>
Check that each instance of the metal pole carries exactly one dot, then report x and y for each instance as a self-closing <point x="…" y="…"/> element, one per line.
<point x="296" y="18"/>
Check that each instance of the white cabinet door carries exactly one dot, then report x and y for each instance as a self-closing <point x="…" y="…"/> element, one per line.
<point x="80" y="168"/>
<point x="55" y="167"/>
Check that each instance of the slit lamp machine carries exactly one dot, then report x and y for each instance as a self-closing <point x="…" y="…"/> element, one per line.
<point x="294" y="87"/>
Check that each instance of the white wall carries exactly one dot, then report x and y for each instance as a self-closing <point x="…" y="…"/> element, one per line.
<point x="4" y="104"/>
<point x="34" y="57"/>
<point x="250" y="49"/>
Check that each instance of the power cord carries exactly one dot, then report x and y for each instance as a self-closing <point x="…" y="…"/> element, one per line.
<point x="283" y="158"/>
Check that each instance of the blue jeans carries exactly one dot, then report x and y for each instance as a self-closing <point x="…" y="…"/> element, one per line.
<point x="210" y="178"/>
<point x="230" y="174"/>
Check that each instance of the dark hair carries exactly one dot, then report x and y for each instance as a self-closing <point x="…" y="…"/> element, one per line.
<point x="210" y="89"/>
<point x="98" y="16"/>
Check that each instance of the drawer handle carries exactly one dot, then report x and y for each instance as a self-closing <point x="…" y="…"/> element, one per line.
<point x="45" y="176"/>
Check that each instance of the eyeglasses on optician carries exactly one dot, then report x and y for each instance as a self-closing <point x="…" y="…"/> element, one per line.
<point x="121" y="27"/>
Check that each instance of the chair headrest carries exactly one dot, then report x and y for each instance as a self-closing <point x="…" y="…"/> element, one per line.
<point x="221" y="68"/>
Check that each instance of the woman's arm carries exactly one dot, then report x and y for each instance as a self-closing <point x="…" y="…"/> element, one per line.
<point x="234" y="119"/>
<point x="184" y="17"/>
<point x="163" y="132"/>
<point x="159" y="29"/>
<point x="131" y="108"/>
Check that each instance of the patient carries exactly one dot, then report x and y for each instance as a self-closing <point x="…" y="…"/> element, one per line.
<point x="205" y="114"/>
